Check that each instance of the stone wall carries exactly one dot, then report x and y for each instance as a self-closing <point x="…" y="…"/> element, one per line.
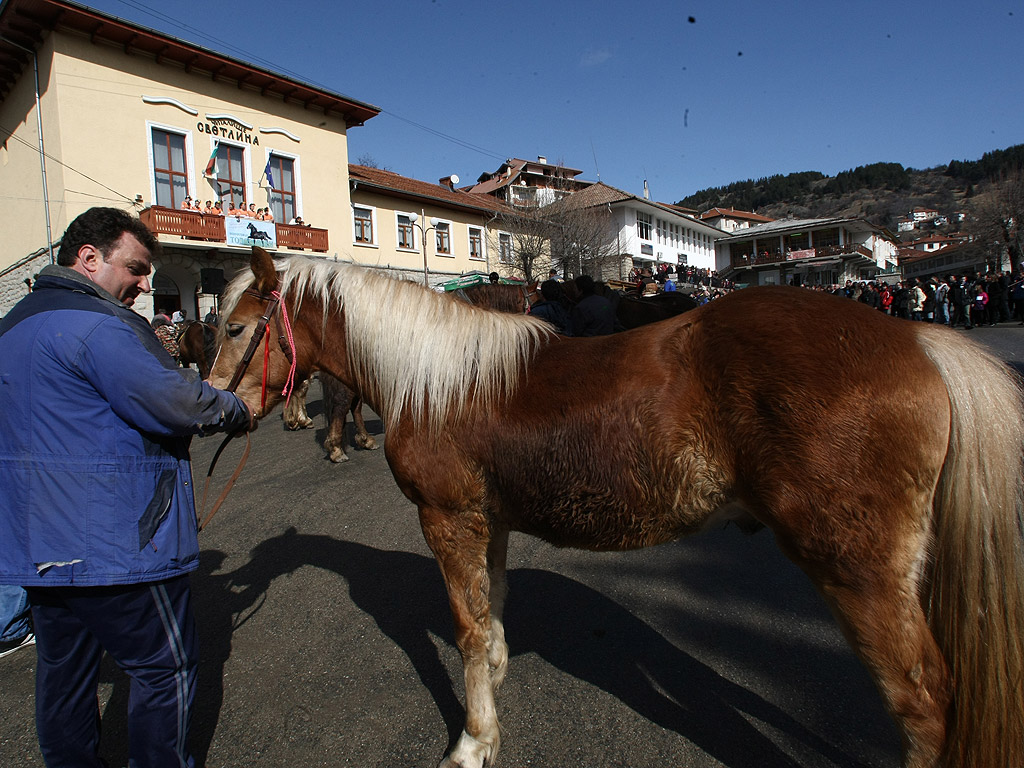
<point x="13" y="287"/>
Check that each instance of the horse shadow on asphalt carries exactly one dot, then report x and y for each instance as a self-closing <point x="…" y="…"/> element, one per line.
<point x="571" y="626"/>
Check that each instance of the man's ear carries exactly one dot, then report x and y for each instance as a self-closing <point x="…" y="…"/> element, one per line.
<point x="89" y="257"/>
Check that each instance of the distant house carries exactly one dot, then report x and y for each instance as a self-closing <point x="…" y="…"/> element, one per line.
<point x="529" y="184"/>
<point x="919" y="215"/>
<point x="806" y="252"/>
<point x="645" y="233"/>
<point x="951" y="257"/>
<point x="936" y="242"/>
<point x="729" y="219"/>
<point x="422" y="230"/>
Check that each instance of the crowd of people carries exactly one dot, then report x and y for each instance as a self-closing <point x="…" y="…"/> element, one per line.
<point x="667" y="277"/>
<point x="212" y="208"/>
<point x="959" y="301"/>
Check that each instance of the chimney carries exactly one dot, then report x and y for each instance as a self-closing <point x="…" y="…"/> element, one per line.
<point x="542" y="159"/>
<point x="449" y="181"/>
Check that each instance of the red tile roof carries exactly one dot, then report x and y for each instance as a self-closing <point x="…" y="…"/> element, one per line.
<point x="388" y="182"/>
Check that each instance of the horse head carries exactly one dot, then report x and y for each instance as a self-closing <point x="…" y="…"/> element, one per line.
<point x="262" y="345"/>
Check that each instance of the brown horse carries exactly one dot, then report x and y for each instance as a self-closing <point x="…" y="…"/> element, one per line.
<point x="884" y="455"/>
<point x="197" y="344"/>
<point x="339" y="401"/>
<point x="503" y="297"/>
<point x="633" y="311"/>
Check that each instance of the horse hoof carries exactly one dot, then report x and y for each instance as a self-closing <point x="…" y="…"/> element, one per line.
<point x="337" y="455"/>
<point x="367" y="443"/>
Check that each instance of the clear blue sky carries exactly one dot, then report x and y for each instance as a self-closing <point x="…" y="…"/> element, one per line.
<point x="635" y="90"/>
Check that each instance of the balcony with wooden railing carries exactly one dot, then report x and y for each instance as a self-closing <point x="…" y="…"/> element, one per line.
<point x="192" y="225"/>
<point x="777" y="257"/>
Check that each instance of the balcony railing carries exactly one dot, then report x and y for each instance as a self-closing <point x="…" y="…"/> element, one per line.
<point x="777" y="257"/>
<point x="193" y="225"/>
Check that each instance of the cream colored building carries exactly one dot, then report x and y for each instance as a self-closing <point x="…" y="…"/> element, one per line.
<point x="394" y="217"/>
<point x="130" y="118"/>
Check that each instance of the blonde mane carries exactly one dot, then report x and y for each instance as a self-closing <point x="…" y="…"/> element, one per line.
<point x="415" y="354"/>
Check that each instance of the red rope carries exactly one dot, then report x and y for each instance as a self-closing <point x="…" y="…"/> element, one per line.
<point x="289" y="384"/>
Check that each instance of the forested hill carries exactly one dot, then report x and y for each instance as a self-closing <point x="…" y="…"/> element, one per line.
<point x="880" y="192"/>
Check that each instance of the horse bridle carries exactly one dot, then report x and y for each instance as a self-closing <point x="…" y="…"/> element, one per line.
<point x="273" y="301"/>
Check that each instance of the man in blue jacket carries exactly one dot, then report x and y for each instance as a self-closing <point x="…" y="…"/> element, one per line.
<point x="97" y="515"/>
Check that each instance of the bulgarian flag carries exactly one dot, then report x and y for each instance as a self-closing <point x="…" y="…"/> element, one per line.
<point x="211" y="166"/>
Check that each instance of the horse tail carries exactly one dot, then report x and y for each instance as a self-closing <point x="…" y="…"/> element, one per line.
<point x="974" y="594"/>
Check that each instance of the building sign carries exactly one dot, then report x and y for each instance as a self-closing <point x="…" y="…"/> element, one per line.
<point x="250" y="232"/>
<point x="805" y="253"/>
<point x="227" y="128"/>
<point x="646" y="249"/>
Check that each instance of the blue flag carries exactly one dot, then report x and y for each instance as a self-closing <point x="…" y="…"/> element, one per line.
<point x="269" y="175"/>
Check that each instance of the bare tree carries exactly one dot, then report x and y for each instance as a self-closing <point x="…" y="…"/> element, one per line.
<point x="527" y="248"/>
<point x="582" y="240"/>
<point x="571" y="239"/>
<point x="998" y="211"/>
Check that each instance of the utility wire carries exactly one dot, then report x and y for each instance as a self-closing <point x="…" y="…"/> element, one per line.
<point x="48" y="156"/>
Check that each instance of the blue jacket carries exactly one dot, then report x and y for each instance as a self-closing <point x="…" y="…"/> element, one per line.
<point x="95" y="419"/>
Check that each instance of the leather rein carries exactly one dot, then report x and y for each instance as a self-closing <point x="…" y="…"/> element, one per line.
<point x="287" y="341"/>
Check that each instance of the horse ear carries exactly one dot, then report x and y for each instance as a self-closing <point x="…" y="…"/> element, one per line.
<point x="263" y="268"/>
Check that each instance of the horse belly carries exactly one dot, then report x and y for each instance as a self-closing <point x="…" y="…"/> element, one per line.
<point x="622" y="511"/>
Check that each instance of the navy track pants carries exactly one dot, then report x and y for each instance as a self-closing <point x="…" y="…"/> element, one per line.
<point x="149" y="631"/>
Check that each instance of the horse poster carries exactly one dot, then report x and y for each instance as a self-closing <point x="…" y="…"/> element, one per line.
<point x="250" y="232"/>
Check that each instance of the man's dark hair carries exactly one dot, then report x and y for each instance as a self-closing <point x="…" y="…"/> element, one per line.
<point x="586" y="284"/>
<point x="102" y="228"/>
<point x="551" y="290"/>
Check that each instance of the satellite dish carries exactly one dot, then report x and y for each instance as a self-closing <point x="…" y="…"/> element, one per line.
<point x="454" y="179"/>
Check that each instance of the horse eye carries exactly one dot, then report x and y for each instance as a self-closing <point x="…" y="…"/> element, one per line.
<point x="234" y="329"/>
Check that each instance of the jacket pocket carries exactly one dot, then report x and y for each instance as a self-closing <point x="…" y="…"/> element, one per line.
<point x="158" y="507"/>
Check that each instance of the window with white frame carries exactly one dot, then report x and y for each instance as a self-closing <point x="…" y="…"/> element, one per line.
<point x="504" y="247"/>
<point x="230" y="177"/>
<point x="476" y="243"/>
<point x="643" y="225"/>
<point x="170" y="176"/>
<point x="443" y="238"/>
<point x="281" y="180"/>
<point x="362" y="224"/>
<point x="406" y="232"/>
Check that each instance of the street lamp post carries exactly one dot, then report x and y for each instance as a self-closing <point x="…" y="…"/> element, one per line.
<point x="413" y="218"/>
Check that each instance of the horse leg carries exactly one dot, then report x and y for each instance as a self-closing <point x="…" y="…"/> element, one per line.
<point x="460" y="544"/>
<point x="336" y="413"/>
<point x="294" y="414"/>
<point x="362" y="438"/>
<point x="497" y="649"/>
<point x="877" y="604"/>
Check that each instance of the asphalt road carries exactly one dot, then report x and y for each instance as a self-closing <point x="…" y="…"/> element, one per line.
<point x="327" y="640"/>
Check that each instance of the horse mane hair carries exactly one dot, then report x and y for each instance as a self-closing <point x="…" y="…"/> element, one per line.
<point x="414" y="353"/>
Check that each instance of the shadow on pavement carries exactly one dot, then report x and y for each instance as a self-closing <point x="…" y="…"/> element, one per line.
<point x="573" y="627"/>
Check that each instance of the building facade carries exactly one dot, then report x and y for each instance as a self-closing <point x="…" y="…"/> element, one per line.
<point x="424" y="231"/>
<point x="131" y="118"/>
<point x="806" y="252"/>
<point x="643" y="233"/>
